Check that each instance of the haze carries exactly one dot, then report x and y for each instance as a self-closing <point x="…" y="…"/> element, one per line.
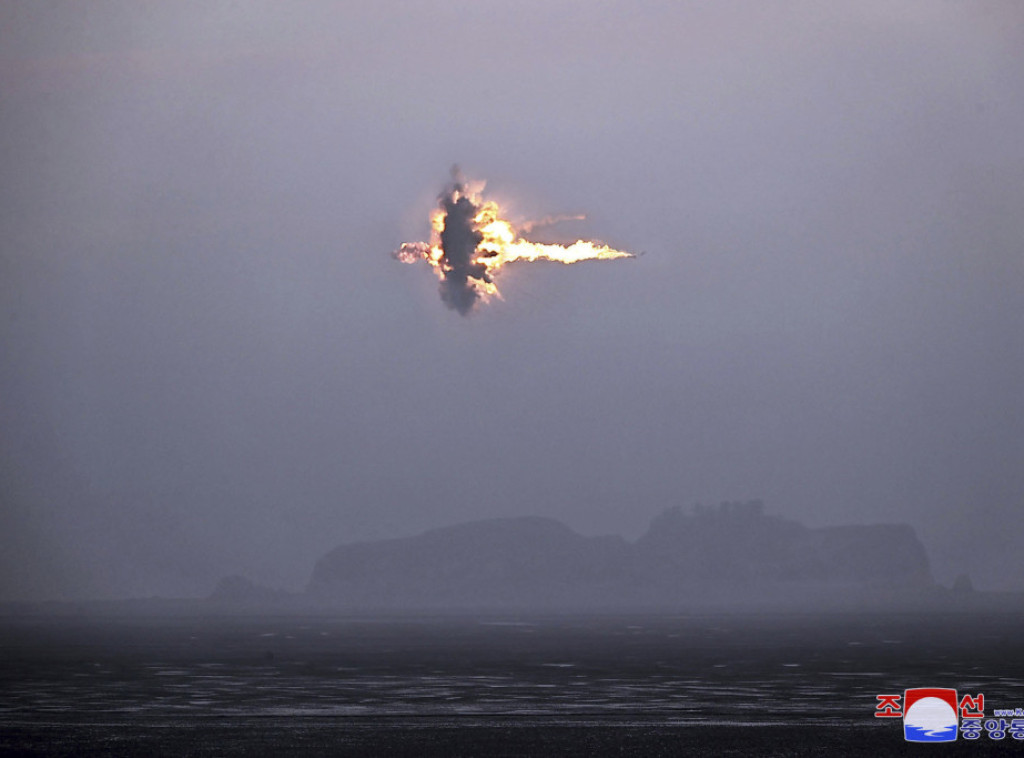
<point x="210" y="364"/>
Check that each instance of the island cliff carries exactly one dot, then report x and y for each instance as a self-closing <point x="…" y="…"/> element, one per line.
<point x="731" y="554"/>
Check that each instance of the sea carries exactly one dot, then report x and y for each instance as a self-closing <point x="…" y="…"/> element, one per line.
<point x="494" y="685"/>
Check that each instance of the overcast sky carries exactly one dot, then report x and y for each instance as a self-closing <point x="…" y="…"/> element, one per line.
<point x="210" y="364"/>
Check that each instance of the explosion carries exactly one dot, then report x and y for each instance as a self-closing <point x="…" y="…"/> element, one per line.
<point x="470" y="242"/>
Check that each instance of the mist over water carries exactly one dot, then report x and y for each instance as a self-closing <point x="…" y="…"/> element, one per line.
<point x="211" y="366"/>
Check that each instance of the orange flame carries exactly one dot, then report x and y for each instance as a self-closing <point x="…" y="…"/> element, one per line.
<point x="500" y="242"/>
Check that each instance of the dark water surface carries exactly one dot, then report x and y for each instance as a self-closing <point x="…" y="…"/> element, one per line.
<point x="681" y="685"/>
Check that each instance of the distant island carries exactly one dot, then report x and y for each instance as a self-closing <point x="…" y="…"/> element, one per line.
<point x="733" y="554"/>
<point x="733" y="557"/>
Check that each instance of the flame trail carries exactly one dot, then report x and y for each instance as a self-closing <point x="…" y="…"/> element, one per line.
<point x="470" y="242"/>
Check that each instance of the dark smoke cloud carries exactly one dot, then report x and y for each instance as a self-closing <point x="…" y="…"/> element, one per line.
<point x="459" y="240"/>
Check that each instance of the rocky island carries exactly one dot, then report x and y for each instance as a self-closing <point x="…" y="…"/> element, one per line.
<point x="732" y="554"/>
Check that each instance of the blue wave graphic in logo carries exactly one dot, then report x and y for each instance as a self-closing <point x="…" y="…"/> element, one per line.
<point x="924" y="734"/>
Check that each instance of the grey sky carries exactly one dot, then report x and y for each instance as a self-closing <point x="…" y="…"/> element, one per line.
<point x="210" y="364"/>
